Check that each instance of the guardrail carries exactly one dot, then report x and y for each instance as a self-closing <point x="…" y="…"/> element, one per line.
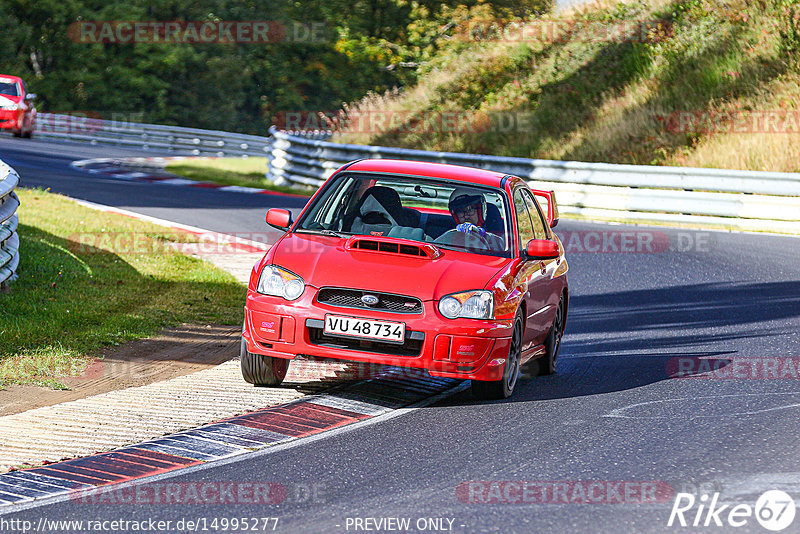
<point x="743" y="200"/>
<point x="9" y="239"/>
<point x="173" y="140"/>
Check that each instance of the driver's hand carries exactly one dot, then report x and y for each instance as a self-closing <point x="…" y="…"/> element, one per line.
<point x="471" y="228"/>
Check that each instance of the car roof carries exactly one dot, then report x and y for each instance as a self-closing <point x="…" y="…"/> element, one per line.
<point x="433" y="170"/>
<point x="9" y="77"/>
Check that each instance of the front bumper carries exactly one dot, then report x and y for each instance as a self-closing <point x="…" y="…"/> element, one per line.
<point x="459" y="348"/>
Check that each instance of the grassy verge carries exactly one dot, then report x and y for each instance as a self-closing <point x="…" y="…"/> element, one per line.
<point x="89" y="279"/>
<point x="698" y="89"/>
<point x="247" y="172"/>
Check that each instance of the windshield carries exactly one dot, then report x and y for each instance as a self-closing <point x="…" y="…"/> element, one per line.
<point x="417" y="209"/>
<point x="8" y="88"/>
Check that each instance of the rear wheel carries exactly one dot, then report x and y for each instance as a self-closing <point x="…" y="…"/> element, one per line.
<point x="261" y="370"/>
<point x="503" y="388"/>
<point x="552" y="344"/>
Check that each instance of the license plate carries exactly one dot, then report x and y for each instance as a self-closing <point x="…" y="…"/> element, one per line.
<point x="339" y="325"/>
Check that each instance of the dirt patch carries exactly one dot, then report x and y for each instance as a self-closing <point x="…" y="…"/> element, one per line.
<point x="174" y="352"/>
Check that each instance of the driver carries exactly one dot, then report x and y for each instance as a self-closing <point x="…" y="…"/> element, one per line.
<point x="468" y="208"/>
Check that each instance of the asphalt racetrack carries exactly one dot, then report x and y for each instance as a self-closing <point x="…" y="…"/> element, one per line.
<point x="678" y="374"/>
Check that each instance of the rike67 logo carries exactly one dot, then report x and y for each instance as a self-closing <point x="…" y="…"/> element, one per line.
<point x="774" y="510"/>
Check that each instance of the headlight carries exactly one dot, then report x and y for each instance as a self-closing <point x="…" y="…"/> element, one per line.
<point x="468" y="305"/>
<point x="10" y="107"/>
<point x="279" y="282"/>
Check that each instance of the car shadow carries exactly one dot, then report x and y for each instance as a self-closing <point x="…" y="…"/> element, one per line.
<point x="629" y="339"/>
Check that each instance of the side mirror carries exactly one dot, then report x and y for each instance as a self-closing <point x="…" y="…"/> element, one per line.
<point x="278" y="218"/>
<point x="30" y="96"/>
<point x="548" y="198"/>
<point x="542" y="249"/>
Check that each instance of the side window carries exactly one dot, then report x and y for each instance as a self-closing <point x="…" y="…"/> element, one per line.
<point x="539" y="225"/>
<point x="526" y="232"/>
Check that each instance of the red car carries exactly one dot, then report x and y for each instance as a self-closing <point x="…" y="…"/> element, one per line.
<point x="441" y="267"/>
<point x="16" y="106"/>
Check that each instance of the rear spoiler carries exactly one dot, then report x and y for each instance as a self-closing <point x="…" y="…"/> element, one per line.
<point x="552" y="207"/>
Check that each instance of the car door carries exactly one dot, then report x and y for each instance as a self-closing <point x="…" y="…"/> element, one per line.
<point x="531" y="276"/>
<point x="546" y="294"/>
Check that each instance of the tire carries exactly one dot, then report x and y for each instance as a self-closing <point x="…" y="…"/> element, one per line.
<point x="17" y="133"/>
<point x="552" y="343"/>
<point x="262" y="370"/>
<point x="504" y="388"/>
<point x="28" y="134"/>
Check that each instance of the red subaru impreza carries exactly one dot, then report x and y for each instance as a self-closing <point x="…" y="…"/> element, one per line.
<point x="441" y="267"/>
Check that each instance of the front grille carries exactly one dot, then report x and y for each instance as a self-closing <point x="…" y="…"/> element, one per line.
<point x="351" y="298"/>
<point x="410" y="348"/>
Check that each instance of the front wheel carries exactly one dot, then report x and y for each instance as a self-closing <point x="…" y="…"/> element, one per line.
<point x="503" y="388"/>
<point x="261" y="370"/>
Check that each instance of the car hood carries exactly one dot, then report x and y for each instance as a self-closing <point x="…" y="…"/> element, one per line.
<point x="325" y="261"/>
<point x="7" y="99"/>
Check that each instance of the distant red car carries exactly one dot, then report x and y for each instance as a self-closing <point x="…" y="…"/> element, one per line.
<point x="16" y="106"/>
<point x="446" y="268"/>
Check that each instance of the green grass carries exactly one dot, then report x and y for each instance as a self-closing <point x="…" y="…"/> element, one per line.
<point x="247" y="172"/>
<point x="76" y="294"/>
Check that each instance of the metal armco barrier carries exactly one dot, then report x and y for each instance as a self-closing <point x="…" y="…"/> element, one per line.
<point x="744" y="200"/>
<point x="164" y="139"/>
<point x="9" y="239"/>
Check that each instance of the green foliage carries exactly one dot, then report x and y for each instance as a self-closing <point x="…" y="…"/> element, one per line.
<point x="788" y="12"/>
<point x="605" y="99"/>
<point x="367" y="45"/>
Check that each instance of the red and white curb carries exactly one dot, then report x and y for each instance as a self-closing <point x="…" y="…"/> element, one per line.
<point x="279" y="425"/>
<point x="151" y="170"/>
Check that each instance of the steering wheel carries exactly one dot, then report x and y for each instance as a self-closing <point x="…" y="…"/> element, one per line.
<point x="470" y="241"/>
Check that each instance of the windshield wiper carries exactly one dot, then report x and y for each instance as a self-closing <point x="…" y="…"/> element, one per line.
<point x="333" y="233"/>
<point x="325" y="231"/>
